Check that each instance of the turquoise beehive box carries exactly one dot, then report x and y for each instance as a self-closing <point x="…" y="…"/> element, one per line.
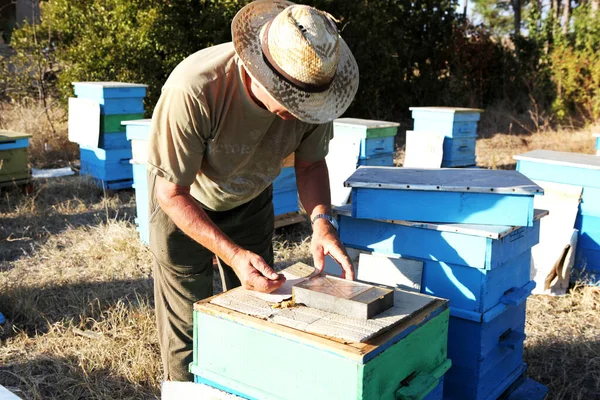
<point x="579" y="170"/>
<point x="466" y="196"/>
<point x="375" y="138"/>
<point x="243" y="354"/>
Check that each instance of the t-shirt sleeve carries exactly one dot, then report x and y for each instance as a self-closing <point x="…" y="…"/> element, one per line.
<point x="179" y="130"/>
<point x="315" y="143"/>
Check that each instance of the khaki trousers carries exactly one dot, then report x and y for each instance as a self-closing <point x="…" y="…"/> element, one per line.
<point x="183" y="271"/>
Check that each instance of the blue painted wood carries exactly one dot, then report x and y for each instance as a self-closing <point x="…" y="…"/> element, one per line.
<point x="461" y="385"/>
<point x="285" y="202"/>
<point x="527" y="389"/>
<point x="590" y="201"/>
<point x="448" y="129"/>
<point x="123" y="105"/>
<point x="430" y="244"/>
<point x="587" y="260"/>
<point x="376" y="146"/>
<point x="138" y="129"/>
<point x="571" y="174"/>
<point x="383" y="160"/>
<point x="437" y="393"/>
<point x="459" y="148"/>
<point x="470" y="340"/>
<point x="113" y="140"/>
<point x="598" y="143"/>
<point x="451" y="207"/>
<point x="463" y="162"/>
<point x="108" y="156"/>
<point x="140" y="177"/>
<point x="286" y="181"/>
<point x="14" y="144"/>
<point x="589" y="231"/>
<point x="108" y="90"/>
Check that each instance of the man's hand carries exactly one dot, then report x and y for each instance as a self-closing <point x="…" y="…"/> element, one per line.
<point x="254" y="273"/>
<point x="325" y="241"/>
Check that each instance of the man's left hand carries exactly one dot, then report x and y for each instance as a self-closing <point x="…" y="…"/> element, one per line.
<point x="325" y="241"/>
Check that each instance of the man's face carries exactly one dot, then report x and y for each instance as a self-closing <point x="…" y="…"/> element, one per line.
<point x="269" y="102"/>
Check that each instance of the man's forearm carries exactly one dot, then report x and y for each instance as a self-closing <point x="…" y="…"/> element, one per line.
<point x="312" y="180"/>
<point x="187" y="214"/>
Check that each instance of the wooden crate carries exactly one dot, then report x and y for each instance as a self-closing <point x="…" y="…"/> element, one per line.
<point x="14" y="165"/>
<point x="467" y="196"/>
<point x="244" y="355"/>
<point x="447" y="121"/>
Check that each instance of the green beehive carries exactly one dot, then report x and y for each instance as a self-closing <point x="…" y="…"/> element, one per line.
<point x="13" y="156"/>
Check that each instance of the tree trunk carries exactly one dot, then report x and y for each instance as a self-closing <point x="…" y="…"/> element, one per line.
<point x="516" y="4"/>
<point x="566" y="16"/>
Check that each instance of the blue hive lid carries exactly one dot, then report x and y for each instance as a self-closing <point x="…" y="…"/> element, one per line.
<point x="444" y="179"/>
<point x="578" y="160"/>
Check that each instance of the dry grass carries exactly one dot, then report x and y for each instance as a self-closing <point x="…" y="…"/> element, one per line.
<point x="76" y="287"/>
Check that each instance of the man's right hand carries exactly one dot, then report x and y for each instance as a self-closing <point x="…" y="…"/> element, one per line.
<point x="254" y="273"/>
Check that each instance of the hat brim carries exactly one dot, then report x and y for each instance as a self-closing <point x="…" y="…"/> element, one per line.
<point x="314" y="108"/>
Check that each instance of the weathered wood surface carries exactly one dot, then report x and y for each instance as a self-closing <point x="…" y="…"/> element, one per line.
<point x="344" y="297"/>
<point x="391" y="271"/>
<point x="367" y="123"/>
<point x="8" y="136"/>
<point x="444" y="179"/>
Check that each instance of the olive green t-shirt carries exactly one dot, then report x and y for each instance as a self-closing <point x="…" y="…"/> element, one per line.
<point x="208" y="133"/>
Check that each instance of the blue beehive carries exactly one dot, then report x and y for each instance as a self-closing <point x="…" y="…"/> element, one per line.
<point x="458" y="125"/>
<point x="285" y="193"/>
<point x="483" y="270"/>
<point x="597" y="136"/>
<point x="375" y="139"/>
<point x="118" y="101"/>
<point x="580" y="170"/>
<point x="471" y="196"/>
<point x="138" y="133"/>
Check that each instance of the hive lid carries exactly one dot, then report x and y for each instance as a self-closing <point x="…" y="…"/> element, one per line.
<point x="452" y="110"/>
<point x="367" y="123"/>
<point x="110" y="84"/>
<point x="7" y="136"/>
<point x="578" y="160"/>
<point x="596" y="134"/>
<point x="142" y="122"/>
<point x="444" y="180"/>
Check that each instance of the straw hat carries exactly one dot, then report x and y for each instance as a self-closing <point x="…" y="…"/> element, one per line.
<point x="296" y="54"/>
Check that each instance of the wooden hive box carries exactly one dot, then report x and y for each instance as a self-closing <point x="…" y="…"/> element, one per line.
<point x="474" y="266"/>
<point x="465" y="196"/>
<point x="484" y="272"/>
<point x="375" y="138"/>
<point x="138" y="133"/>
<point x="110" y="90"/>
<point x="285" y="192"/>
<point x="597" y="136"/>
<point x="14" y="165"/>
<point x="110" y="167"/>
<point x="256" y="358"/>
<point x="579" y="170"/>
<point x="459" y="152"/>
<point x="448" y="121"/>
<point x="140" y="184"/>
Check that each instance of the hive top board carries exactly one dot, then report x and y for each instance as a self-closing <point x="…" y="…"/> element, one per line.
<point x="578" y="160"/>
<point x="444" y="180"/>
<point x="367" y="123"/>
<point x="142" y="122"/>
<point x="453" y="110"/>
<point x="110" y="84"/>
<point x="8" y="136"/>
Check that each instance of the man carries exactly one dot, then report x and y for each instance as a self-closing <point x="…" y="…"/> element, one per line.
<point x="227" y="117"/>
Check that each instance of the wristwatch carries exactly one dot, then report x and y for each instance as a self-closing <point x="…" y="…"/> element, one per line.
<point x="332" y="221"/>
